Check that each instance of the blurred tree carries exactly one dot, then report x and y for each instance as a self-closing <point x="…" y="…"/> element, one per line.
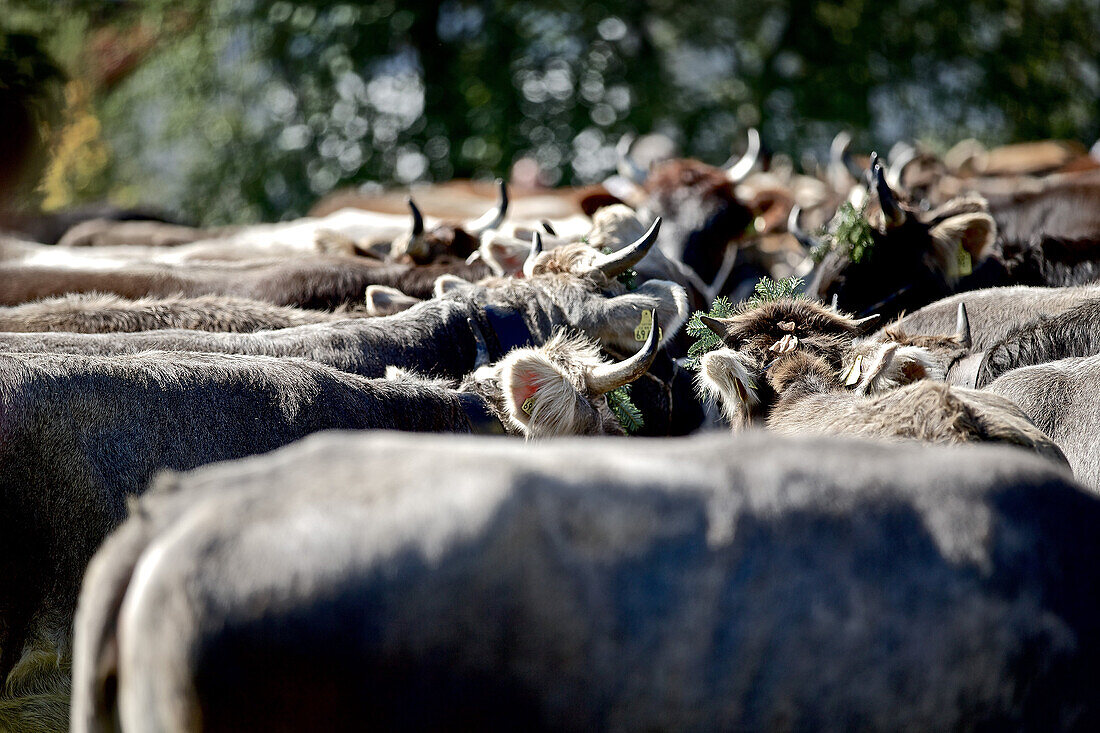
<point x="238" y="110"/>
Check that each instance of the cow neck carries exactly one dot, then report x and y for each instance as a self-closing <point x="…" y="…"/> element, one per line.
<point x="481" y="419"/>
<point x="504" y="330"/>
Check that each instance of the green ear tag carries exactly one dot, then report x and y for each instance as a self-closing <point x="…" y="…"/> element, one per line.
<point x="966" y="265"/>
<point x="528" y="404"/>
<point x="641" y="331"/>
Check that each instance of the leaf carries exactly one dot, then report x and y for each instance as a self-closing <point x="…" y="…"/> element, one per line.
<point x="630" y="417"/>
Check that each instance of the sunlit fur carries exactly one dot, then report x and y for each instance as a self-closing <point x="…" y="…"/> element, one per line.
<point x="813" y="401"/>
<point x="725" y="378"/>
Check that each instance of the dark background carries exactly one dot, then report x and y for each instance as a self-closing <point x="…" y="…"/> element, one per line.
<point x="241" y="110"/>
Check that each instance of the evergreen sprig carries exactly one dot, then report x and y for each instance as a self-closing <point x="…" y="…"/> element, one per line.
<point x="766" y="290"/>
<point x="851" y="236"/>
<point x="630" y="417"/>
<point x="705" y="339"/>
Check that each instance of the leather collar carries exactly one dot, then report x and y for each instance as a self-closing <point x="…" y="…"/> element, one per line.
<point x="964" y="372"/>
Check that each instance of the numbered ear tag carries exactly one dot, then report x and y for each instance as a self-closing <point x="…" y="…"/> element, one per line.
<point x="528" y="405"/>
<point x="966" y="265"/>
<point x="641" y="331"/>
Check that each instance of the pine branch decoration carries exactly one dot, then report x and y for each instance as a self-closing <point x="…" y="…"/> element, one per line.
<point x="630" y="417"/>
<point x="766" y="290"/>
<point x="851" y="236"/>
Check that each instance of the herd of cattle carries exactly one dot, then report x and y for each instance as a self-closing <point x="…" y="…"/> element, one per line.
<point x="827" y="566"/>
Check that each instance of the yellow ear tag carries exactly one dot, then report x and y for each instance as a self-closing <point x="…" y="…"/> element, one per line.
<point x="966" y="265"/>
<point x="854" y="372"/>
<point x="528" y="404"/>
<point x="645" y="325"/>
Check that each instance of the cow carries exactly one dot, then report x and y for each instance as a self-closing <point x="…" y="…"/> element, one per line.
<point x="993" y="312"/>
<point x="318" y="282"/>
<point x="576" y="287"/>
<point x="913" y="258"/>
<point x="1070" y="333"/>
<point x="1060" y="398"/>
<point x="101" y="313"/>
<point x="707" y="583"/>
<point x="81" y="434"/>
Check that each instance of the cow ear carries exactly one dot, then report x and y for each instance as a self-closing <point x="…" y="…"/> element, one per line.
<point x="973" y="232"/>
<point x="505" y="256"/>
<point x="446" y="283"/>
<point x="623" y="322"/>
<point x="538" y="398"/>
<point x="385" y="301"/>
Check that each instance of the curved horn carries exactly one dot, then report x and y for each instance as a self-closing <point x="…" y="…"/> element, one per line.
<point x="841" y="161"/>
<point x="894" y="214"/>
<point x="962" y="327"/>
<point x="737" y="171"/>
<point x="796" y="231"/>
<point x="418" y="218"/>
<point x="606" y="377"/>
<point x="616" y="263"/>
<point x="494" y="217"/>
<point x="898" y="164"/>
<point x="628" y="167"/>
<point x="536" y="250"/>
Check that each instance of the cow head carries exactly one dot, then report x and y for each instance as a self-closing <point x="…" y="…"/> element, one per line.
<point x="890" y="258"/>
<point x="576" y="286"/>
<point x="421" y="246"/>
<point x="559" y="388"/>
<point x="738" y="376"/>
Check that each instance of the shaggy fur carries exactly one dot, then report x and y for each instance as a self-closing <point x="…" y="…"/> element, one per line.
<point x="1074" y="332"/>
<point x="813" y="401"/>
<point x="105" y="313"/>
<point x="754" y="331"/>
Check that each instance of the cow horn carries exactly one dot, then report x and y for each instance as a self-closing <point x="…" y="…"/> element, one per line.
<point x="736" y="171"/>
<point x="536" y="250"/>
<point x="840" y="159"/>
<point x="418" y="218"/>
<point x="898" y="163"/>
<point x="616" y="263"/>
<point x="962" y="327"/>
<point x="628" y="167"/>
<point x="796" y="231"/>
<point x="606" y="377"/>
<point x="481" y="356"/>
<point x="865" y="319"/>
<point x="895" y="215"/>
<point x="494" y="217"/>
<point x="716" y="326"/>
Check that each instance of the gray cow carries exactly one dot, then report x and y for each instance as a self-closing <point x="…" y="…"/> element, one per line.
<point x="1061" y="398"/>
<point x="711" y="583"/>
<point x="994" y="311"/>
<point x="81" y="434"/>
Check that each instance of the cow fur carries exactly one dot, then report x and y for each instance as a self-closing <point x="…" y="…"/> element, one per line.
<point x="106" y="313"/>
<point x="1060" y="397"/>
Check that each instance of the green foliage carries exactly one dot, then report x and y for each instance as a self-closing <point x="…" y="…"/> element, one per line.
<point x="851" y="236"/>
<point x="767" y="290"/>
<point x="244" y="110"/>
<point x="705" y="339"/>
<point x="630" y="417"/>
